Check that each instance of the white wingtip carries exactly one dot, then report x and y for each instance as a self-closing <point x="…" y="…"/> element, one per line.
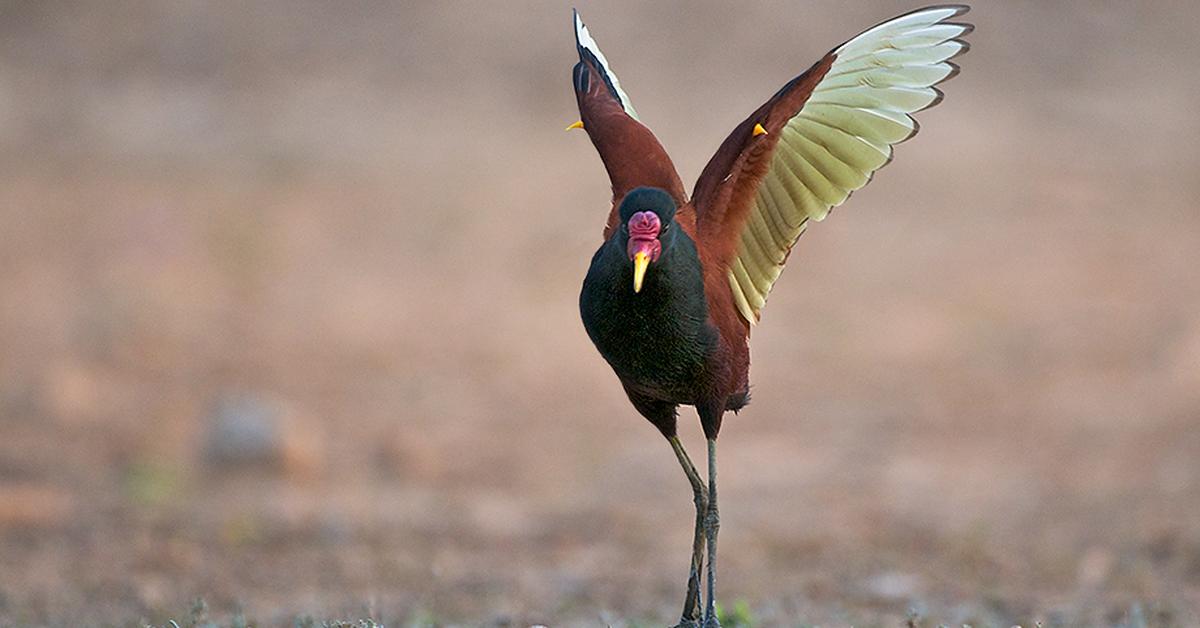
<point x="584" y="39"/>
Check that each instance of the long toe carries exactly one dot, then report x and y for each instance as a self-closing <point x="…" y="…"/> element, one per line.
<point x="712" y="622"/>
<point x="687" y="623"/>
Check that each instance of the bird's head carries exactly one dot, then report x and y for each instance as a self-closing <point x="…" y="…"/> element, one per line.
<point x="647" y="216"/>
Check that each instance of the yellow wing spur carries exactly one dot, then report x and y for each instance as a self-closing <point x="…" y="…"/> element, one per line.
<point x="844" y="132"/>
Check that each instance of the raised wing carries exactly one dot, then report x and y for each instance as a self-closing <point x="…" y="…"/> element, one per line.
<point x="826" y="133"/>
<point x="631" y="154"/>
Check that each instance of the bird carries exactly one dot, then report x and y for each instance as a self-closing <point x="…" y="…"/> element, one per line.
<point x="678" y="283"/>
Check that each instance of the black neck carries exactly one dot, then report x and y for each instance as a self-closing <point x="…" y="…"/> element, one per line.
<point x="657" y="336"/>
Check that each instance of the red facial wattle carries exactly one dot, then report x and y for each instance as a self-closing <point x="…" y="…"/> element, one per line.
<point x="643" y="246"/>
<point x="644" y="228"/>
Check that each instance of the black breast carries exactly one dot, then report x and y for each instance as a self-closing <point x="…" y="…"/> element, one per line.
<point x="658" y="340"/>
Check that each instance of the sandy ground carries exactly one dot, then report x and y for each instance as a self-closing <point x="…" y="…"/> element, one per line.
<point x="361" y="227"/>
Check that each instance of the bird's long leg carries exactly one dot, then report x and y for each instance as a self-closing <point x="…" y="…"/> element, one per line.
<point x="712" y="523"/>
<point x="691" y="603"/>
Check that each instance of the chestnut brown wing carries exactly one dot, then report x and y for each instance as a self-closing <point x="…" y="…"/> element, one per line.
<point x="826" y="133"/>
<point x="632" y="155"/>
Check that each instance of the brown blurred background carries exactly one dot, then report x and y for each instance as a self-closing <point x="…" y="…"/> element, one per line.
<point x="288" y="321"/>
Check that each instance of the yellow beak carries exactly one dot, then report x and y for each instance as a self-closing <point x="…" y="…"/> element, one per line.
<point x="641" y="262"/>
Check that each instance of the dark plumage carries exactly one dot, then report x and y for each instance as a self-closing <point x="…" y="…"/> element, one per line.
<point x="659" y="341"/>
